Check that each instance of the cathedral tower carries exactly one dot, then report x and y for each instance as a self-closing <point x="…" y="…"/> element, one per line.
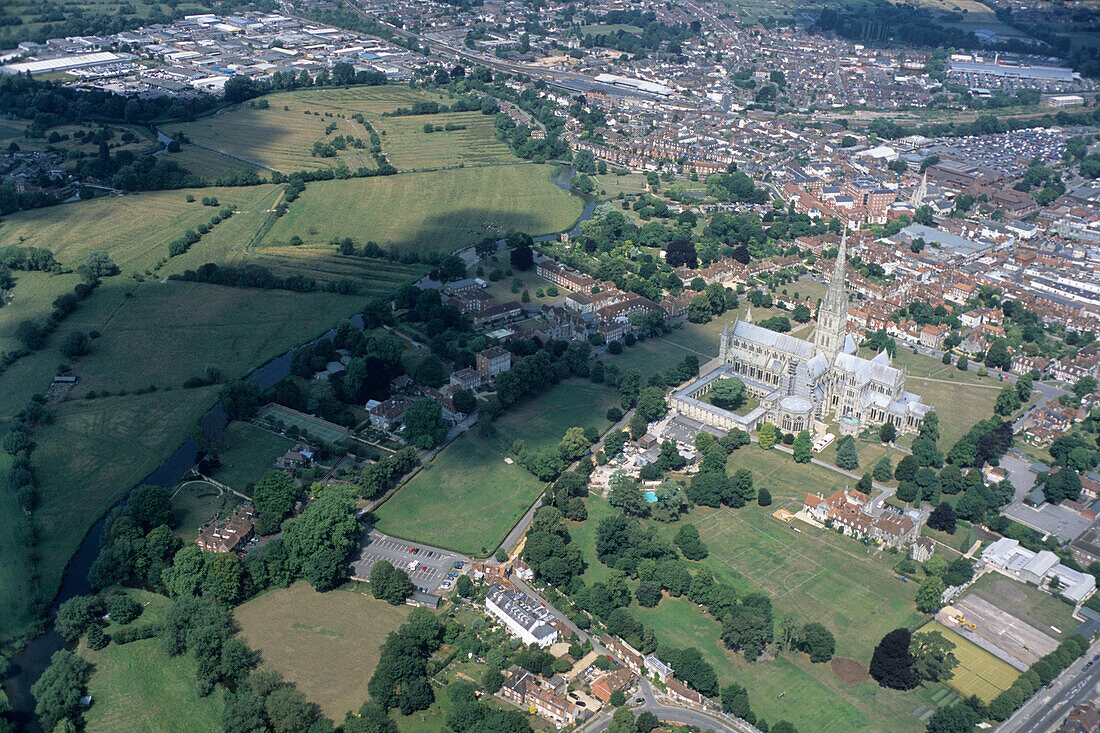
<point x="832" y="315"/>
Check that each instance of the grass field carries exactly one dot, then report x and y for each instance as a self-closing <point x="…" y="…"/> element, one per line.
<point x="484" y="495"/>
<point x="95" y="450"/>
<point x="32" y="296"/>
<point x="408" y="147"/>
<point x="207" y="163"/>
<point x="248" y="453"/>
<point x="543" y="421"/>
<point x="434" y="211"/>
<point x="325" y="643"/>
<point x="790" y="687"/>
<point x="281" y="137"/>
<point x="979" y="672"/>
<point x="135" y="229"/>
<point x="195" y="503"/>
<point x="136" y="687"/>
<point x="1041" y="610"/>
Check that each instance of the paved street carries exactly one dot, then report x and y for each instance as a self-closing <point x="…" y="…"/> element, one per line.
<point x="427" y="566"/>
<point x="704" y="719"/>
<point x="1045" y="711"/>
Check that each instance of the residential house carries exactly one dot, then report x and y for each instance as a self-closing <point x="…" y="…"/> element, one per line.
<point x="659" y="669"/>
<point x="547" y="697"/>
<point x="300" y="456"/>
<point x="230" y="535"/>
<point x="627" y="655"/>
<point x="493" y="361"/>
<point x="619" y="679"/>
<point x="389" y="414"/>
<point x="681" y="693"/>
<point x="467" y="378"/>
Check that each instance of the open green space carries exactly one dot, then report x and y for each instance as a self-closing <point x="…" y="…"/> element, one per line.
<point x="1041" y="610"/>
<point x="466" y="499"/>
<point x="607" y="29"/>
<point x="964" y="538"/>
<point x="438" y="211"/>
<point x="96" y="449"/>
<point x="139" y="140"/>
<point x="137" y="687"/>
<point x="790" y="687"/>
<point x="168" y="332"/>
<point x="247" y="453"/>
<point x="135" y="229"/>
<point x="207" y="163"/>
<point x="979" y="672"/>
<point x="408" y="147"/>
<point x="31" y="298"/>
<point x="196" y="503"/>
<point x="484" y="493"/>
<point x="281" y="137"/>
<point x="542" y="421"/>
<point x="325" y="643"/>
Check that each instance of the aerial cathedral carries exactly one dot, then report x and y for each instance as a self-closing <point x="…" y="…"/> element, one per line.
<point x="805" y="384"/>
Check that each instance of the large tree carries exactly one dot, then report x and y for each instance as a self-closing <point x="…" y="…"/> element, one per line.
<point x="424" y="423"/>
<point x="892" y="663"/>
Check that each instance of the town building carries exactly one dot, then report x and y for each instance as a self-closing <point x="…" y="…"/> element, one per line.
<point x="523" y="617"/>
<point x="493" y="361"/>
<point x="547" y="697"/>
<point x="1041" y="568"/>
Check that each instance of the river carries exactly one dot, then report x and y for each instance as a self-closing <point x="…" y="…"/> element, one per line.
<point x="28" y="665"/>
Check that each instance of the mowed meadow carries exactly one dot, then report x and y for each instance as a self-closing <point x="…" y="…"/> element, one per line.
<point x="436" y="211"/>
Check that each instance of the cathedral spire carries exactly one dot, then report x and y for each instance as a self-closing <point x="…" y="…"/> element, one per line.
<point x="832" y="316"/>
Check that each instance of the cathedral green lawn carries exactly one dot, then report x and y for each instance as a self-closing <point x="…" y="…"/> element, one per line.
<point x="137" y="687"/>
<point x="542" y="421"/>
<point x="438" y="211"/>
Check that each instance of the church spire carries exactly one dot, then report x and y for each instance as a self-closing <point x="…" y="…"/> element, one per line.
<point x="832" y="316"/>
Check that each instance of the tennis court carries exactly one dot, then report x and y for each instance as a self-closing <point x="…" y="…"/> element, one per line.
<point x="315" y="426"/>
<point x="979" y="672"/>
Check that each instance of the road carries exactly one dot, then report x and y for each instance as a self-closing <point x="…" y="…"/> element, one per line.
<point x="1045" y="711"/>
<point x="703" y="719"/>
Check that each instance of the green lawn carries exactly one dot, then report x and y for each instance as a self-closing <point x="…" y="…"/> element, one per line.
<point x="789" y="688"/>
<point x="1041" y="610"/>
<point x="485" y="495"/>
<point x="542" y="421"/>
<point x="433" y="211"/>
<point x="248" y="453"/>
<point x="408" y="147"/>
<point x="466" y="500"/>
<point x="137" y="687"/>
<point x="325" y="643"/>
<point x="31" y="298"/>
<point x="810" y="575"/>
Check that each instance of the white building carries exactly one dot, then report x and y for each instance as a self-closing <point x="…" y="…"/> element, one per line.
<point x="1008" y="557"/>
<point x="525" y="619"/>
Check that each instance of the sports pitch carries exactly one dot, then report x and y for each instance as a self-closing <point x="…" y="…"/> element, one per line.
<point x="315" y="426"/>
<point x="979" y="672"/>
